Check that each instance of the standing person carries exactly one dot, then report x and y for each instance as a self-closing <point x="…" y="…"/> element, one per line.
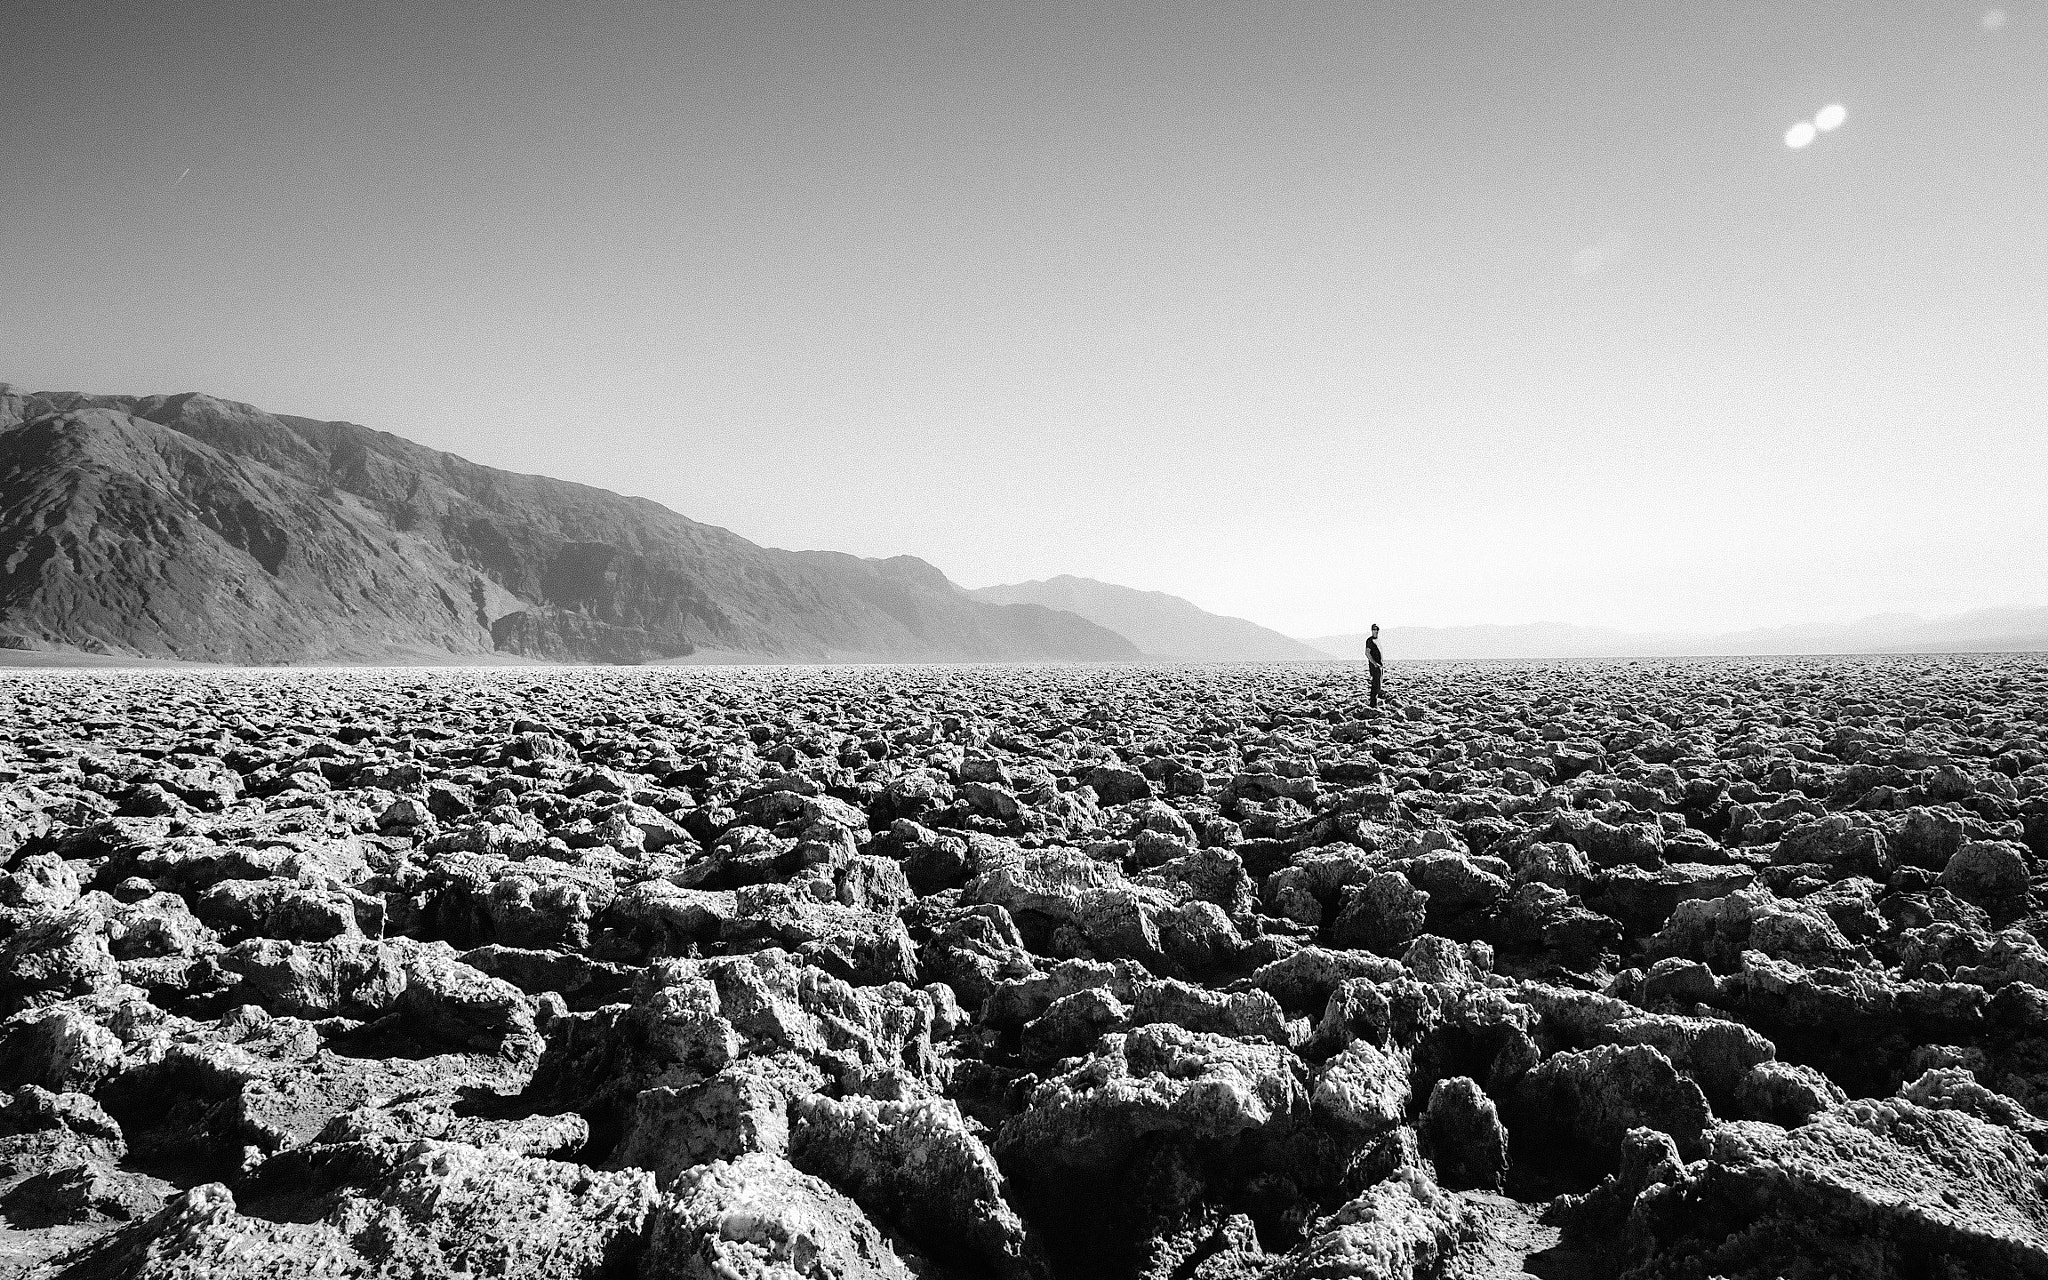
<point x="1373" y="655"/>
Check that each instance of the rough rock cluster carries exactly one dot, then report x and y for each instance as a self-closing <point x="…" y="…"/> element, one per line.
<point x="1668" y="970"/>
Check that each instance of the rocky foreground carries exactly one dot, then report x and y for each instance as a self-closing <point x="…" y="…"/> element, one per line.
<point x="1647" y="970"/>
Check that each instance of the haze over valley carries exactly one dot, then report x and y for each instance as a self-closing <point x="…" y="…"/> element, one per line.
<point x="191" y="528"/>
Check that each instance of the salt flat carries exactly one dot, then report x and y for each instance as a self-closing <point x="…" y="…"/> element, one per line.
<point x="1719" y="967"/>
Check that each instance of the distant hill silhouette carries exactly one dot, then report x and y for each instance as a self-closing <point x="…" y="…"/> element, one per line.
<point x="1163" y="626"/>
<point x="1979" y="630"/>
<point x="188" y="527"/>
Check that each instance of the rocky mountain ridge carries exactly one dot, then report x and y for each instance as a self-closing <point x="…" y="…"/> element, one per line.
<point x="190" y="527"/>
<point x="1162" y="625"/>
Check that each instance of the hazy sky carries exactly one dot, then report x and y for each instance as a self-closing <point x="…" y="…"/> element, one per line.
<point x="1419" y="312"/>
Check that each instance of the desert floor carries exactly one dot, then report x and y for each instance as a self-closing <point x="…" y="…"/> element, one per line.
<point x="1657" y="969"/>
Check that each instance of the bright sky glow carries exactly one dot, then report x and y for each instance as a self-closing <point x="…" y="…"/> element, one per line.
<point x="1316" y="313"/>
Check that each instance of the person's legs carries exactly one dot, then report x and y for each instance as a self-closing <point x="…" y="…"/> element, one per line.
<point x="1375" y="701"/>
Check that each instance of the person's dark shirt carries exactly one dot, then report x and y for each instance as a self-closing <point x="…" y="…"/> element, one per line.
<point x="1372" y="651"/>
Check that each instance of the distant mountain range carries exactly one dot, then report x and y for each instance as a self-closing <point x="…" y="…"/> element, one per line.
<point x="1980" y="630"/>
<point x="186" y="527"/>
<point x="193" y="528"/>
<point x="1162" y="626"/>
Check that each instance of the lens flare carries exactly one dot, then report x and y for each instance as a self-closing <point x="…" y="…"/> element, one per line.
<point x="1831" y="117"/>
<point x="1800" y="134"/>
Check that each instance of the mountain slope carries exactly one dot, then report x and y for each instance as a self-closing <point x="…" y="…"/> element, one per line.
<point x="185" y="526"/>
<point x="1980" y="630"/>
<point x="1163" y="626"/>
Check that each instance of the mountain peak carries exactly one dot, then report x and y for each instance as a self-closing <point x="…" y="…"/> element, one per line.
<point x="912" y="569"/>
<point x="188" y="526"/>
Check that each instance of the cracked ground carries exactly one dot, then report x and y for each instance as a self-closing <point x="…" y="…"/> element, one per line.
<point x="1657" y="969"/>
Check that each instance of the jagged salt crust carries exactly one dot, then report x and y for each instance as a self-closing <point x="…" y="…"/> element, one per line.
<point x="1612" y="970"/>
